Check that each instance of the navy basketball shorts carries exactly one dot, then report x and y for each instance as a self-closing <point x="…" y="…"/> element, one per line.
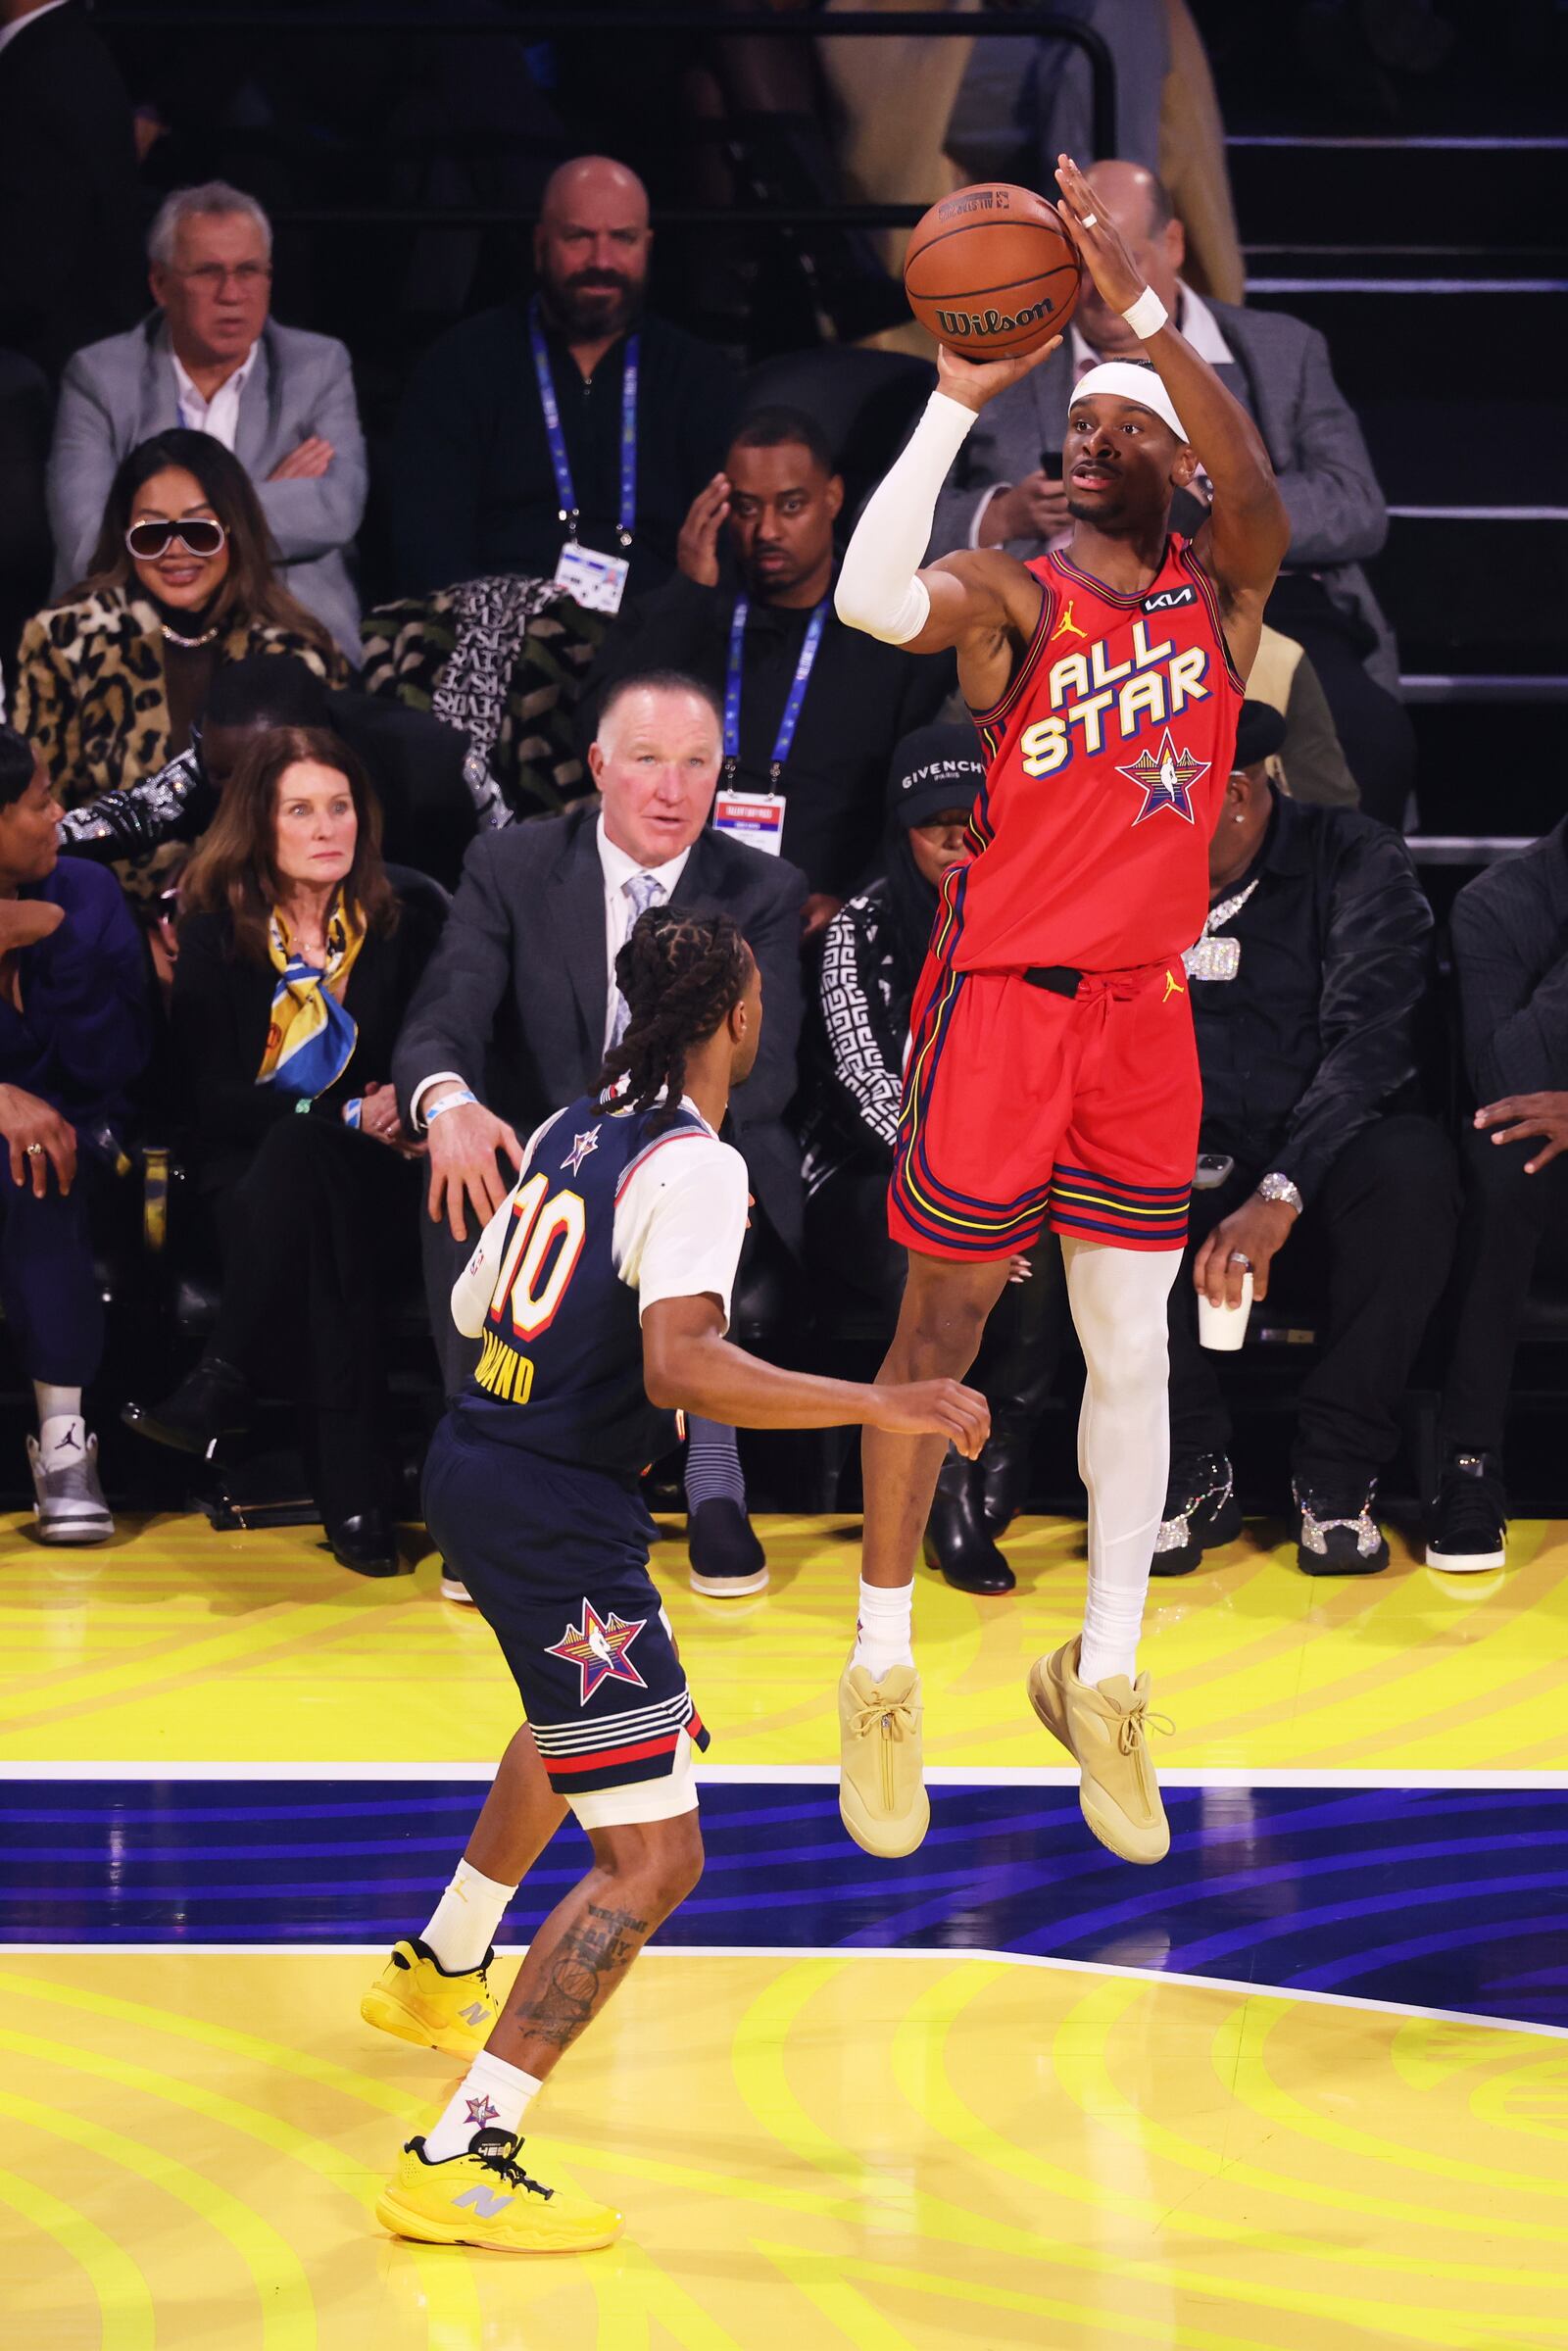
<point x="555" y="1557"/>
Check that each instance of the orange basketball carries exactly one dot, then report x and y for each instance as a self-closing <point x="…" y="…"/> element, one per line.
<point x="991" y="272"/>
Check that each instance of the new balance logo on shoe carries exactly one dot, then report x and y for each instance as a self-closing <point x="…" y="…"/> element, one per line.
<point x="485" y="2201"/>
<point x="476" y="2013"/>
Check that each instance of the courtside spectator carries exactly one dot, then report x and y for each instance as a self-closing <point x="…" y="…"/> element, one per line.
<point x="1305" y="987"/>
<point x="812" y="710"/>
<point x="1003" y="490"/>
<point x="110" y="681"/>
<point x="1310" y="763"/>
<point x="872" y="952"/>
<point x="212" y="358"/>
<point x="484" y="483"/>
<point x="75" y="1030"/>
<point x="297" y="962"/>
<point x="432" y="790"/>
<point x="519" y="1007"/>
<point x="1510" y="932"/>
<point x="70" y="208"/>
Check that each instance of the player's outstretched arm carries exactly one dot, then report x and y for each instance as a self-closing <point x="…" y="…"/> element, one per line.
<point x="690" y="1366"/>
<point x="1243" y="541"/>
<point x="971" y="599"/>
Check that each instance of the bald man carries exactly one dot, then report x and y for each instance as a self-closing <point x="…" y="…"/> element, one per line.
<point x="480" y="480"/>
<point x="1005" y="489"/>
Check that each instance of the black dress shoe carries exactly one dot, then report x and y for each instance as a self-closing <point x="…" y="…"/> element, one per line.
<point x="211" y="1402"/>
<point x="367" y="1543"/>
<point x="957" y="1541"/>
<point x="727" y="1561"/>
<point x="1005" y="1467"/>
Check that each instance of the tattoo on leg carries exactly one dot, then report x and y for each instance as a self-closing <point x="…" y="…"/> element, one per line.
<point x="582" y="1968"/>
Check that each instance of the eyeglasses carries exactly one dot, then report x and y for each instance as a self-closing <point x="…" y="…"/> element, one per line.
<point x="198" y="534"/>
<point x="213" y="276"/>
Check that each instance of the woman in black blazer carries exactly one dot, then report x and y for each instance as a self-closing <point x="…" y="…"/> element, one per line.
<point x="296" y="965"/>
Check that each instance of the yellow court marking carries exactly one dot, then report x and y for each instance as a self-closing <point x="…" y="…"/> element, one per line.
<point x="181" y="1646"/>
<point x="895" y="2154"/>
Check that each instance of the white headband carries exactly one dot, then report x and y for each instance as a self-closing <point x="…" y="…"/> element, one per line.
<point x="1124" y="379"/>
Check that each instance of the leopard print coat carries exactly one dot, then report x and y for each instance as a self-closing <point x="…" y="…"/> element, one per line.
<point x="90" y="695"/>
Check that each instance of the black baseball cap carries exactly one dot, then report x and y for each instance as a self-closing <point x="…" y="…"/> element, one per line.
<point x="936" y="767"/>
<point x="1258" y="734"/>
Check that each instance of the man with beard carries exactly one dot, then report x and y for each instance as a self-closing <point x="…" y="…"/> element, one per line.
<point x="564" y="436"/>
<point x="811" y="708"/>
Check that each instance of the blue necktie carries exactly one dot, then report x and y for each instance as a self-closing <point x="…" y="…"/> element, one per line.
<point x="645" y="891"/>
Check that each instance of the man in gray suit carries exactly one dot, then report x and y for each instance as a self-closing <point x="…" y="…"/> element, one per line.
<point x="1007" y="489"/>
<point x="210" y="357"/>
<point x="518" y="1008"/>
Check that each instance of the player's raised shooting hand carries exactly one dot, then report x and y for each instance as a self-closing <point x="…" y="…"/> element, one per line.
<point x="933" y="1408"/>
<point x="1099" y="242"/>
<point x="973" y="382"/>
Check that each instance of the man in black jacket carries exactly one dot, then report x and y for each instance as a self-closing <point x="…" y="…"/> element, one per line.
<point x="1305" y="988"/>
<point x="1509" y="930"/>
<point x="812" y="710"/>
<point x="518" y="1008"/>
<point x="484" y="481"/>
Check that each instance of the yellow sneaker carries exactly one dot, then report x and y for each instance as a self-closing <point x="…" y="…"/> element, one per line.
<point x="416" y="1999"/>
<point x="486" y="2198"/>
<point x="1102" y="1727"/>
<point x="882" y="1798"/>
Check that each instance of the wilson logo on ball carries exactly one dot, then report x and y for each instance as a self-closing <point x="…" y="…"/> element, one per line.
<point x="992" y="322"/>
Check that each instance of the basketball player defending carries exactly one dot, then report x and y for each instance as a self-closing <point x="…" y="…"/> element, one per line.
<point x="601" y="1289"/>
<point x="1053" y="1077"/>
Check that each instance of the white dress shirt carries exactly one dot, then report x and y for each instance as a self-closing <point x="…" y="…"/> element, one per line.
<point x="617" y="869"/>
<point x="219" y="416"/>
<point x="9" y="32"/>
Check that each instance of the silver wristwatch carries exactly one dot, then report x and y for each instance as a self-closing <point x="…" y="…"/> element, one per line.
<point x="1280" y="1187"/>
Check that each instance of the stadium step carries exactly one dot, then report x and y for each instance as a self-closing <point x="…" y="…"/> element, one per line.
<point x="1465" y="195"/>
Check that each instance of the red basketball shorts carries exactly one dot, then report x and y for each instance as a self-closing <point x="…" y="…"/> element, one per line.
<point x="1023" y="1108"/>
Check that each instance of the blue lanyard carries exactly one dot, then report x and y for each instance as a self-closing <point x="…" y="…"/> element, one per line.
<point x="567" y="508"/>
<point x="796" y="692"/>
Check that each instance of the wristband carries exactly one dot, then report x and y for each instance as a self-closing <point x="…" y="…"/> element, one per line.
<point x="453" y="1102"/>
<point x="352" y="1110"/>
<point x="1146" y="315"/>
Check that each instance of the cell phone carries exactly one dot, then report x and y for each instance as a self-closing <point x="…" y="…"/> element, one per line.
<point x="1211" y="1170"/>
<point x="1051" y="463"/>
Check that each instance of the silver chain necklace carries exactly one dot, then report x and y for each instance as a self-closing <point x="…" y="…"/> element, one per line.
<point x="188" y="644"/>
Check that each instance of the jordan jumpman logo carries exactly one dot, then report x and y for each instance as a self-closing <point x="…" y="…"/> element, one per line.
<point x="1067" y="626"/>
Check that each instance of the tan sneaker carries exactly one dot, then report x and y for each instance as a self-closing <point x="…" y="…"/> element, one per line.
<point x="882" y="1796"/>
<point x="1102" y="1726"/>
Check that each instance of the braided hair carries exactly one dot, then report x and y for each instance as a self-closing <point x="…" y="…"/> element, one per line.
<point x="681" y="975"/>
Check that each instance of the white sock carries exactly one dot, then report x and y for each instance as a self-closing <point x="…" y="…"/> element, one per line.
<point x="64" y="1434"/>
<point x="60" y="1420"/>
<point x="491" y="2096"/>
<point x="463" y="1923"/>
<point x="882" y="1634"/>
<point x="1118" y="1299"/>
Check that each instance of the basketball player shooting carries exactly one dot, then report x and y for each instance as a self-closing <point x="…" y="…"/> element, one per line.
<point x="1052" y="1076"/>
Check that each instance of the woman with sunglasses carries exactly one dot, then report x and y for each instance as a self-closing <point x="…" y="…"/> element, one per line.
<point x="297" y="960"/>
<point x="110" y="681"/>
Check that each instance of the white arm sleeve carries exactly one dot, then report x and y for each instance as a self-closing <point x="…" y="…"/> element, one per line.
<point x="879" y="591"/>
<point x="475" y="1285"/>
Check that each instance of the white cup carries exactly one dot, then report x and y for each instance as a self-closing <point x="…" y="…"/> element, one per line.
<point x="1225" y="1327"/>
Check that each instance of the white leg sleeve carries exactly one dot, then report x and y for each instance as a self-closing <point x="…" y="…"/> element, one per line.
<point x="1119" y="1299"/>
<point x="879" y="591"/>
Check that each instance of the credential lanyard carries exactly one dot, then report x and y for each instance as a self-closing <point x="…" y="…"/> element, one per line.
<point x="796" y="692"/>
<point x="565" y="494"/>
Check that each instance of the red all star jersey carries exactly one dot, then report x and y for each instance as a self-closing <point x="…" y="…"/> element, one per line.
<point x="1105" y="761"/>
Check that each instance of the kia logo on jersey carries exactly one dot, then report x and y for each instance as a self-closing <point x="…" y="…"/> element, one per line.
<point x="1168" y="599"/>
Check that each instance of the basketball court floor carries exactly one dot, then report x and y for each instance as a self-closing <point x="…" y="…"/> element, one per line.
<point x="1302" y="2088"/>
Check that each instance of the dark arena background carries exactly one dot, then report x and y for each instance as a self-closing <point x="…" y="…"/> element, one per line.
<point x="1302" y="2084"/>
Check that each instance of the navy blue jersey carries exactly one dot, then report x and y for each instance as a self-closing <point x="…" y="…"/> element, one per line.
<point x="561" y="1371"/>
